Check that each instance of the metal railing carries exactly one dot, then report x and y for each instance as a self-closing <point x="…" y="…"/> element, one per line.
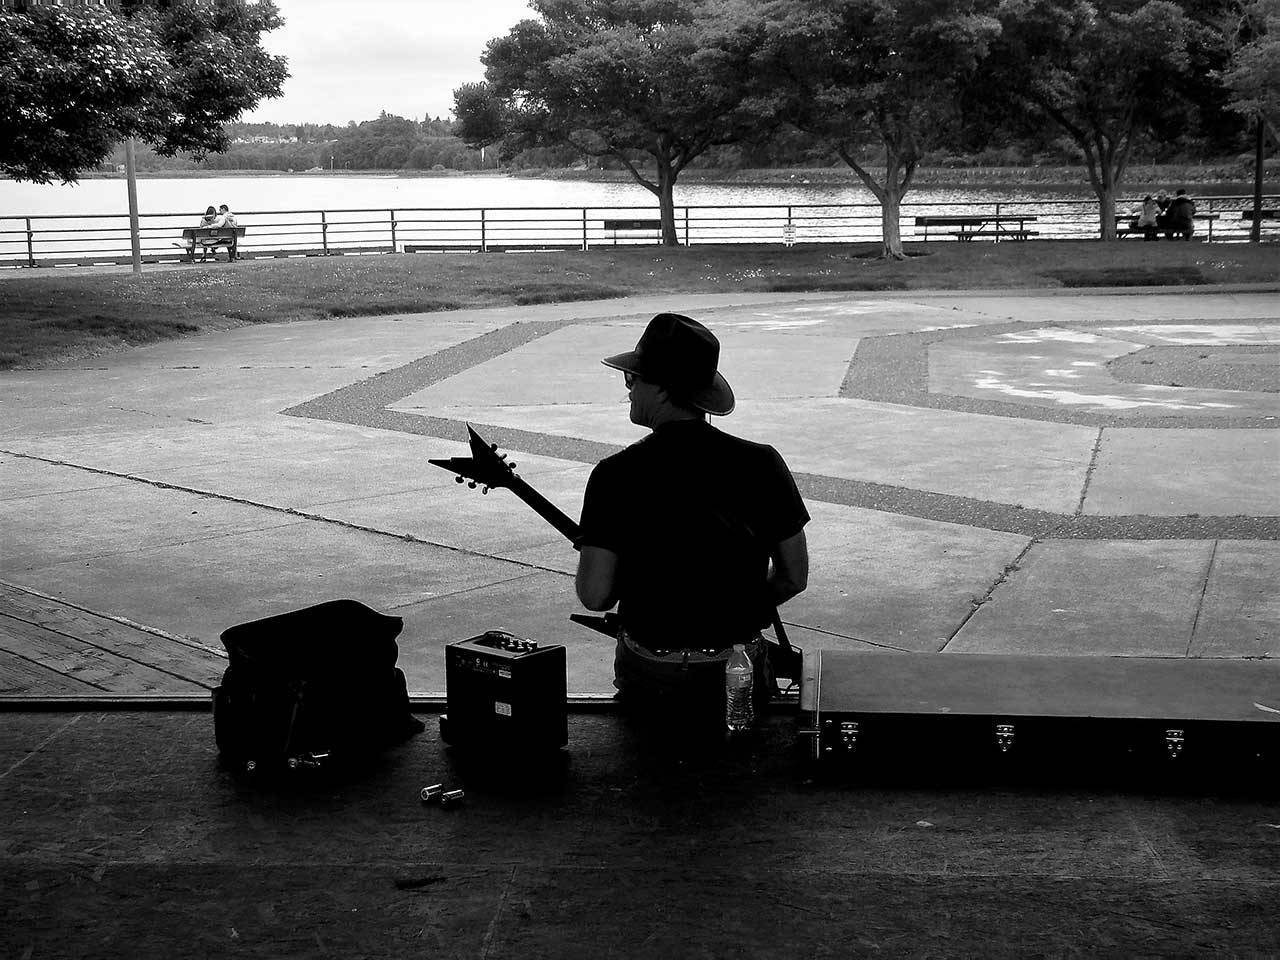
<point x="51" y="240"/>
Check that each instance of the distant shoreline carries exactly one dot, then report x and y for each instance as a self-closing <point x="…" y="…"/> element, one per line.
<point x="1171" y="174"/>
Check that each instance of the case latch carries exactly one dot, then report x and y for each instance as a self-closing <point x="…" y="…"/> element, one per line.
<point x="849" y="735"/>
<point x="1004" y="736"/>
<point x="1173" y="742"/>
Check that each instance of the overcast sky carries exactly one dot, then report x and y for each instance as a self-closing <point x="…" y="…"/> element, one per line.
<point x="349" y="60"/>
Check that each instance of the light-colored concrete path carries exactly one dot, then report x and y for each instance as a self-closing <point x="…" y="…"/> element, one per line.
<point x="978" y="479"/>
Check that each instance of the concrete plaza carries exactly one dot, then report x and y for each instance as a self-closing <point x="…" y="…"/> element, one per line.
<point x="986" y="473"/>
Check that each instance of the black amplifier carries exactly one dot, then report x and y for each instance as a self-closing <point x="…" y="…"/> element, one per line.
<point x="1185" y="722"/>
<point x="505" y="693"/>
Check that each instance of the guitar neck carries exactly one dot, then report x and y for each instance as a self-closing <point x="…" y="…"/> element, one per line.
<point x="547" y="510"/>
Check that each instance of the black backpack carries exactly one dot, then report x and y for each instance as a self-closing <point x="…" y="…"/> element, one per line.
<point x="316" y="687"/>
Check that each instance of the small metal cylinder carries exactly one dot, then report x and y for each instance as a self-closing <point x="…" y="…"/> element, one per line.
<point x="452" y="798"/>
<point x="432" y="793"/>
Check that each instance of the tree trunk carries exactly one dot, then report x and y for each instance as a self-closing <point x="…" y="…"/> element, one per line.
<point x="1104" y="185"/>
<point x="890" y="230"/>
<point x="889" y="194"/>
<point x="666" y="203"/>
<point x="1107" y="209"/>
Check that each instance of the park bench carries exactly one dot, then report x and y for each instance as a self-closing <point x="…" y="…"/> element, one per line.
<point x="1266" y="213"/>
<point x="442" y="248"/>
<point x="629" y="225"/>
<point x="210" y="238"/>
<point x="1124" y="229"/>
<point x="531" y="246"/>
<point x="973" y="227"/>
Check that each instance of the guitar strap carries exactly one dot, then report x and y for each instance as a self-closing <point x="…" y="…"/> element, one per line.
<point x="786" y="660"/>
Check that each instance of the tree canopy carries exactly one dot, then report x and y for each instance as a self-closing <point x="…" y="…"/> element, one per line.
<point x="666" y="79"/>
<point x="1102" y="71"/>
<point x="74" y="81"/>
<point x="1253" y="73"/>
<point x="884" y="69"/>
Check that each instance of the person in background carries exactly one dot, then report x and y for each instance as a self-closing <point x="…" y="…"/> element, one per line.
<point x="209" y="219"/>
<point x="695" y="534"/>
<point x="225" y="217"/>
<point x="1148" y="218"/>
<point x="1180" y="219"/>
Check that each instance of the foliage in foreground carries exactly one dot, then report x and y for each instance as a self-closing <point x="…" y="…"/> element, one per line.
<point x="75" y="81"/>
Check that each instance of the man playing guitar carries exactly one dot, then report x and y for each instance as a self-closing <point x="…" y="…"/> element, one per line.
<point x="695" y="534"/>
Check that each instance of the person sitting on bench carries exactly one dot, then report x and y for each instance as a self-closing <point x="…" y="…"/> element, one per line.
<point x="225" y="217"/>
<point x="1180" y="220"/>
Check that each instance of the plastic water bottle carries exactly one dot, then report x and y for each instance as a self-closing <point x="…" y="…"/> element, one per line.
<point x="739" y="709"/>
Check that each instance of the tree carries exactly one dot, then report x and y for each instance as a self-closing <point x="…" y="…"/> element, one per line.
<point x="1253" y="79"/>
<point x="881" y="69"/>
<point x="627" y="79"/>
<point x="1103" y="71"/>
<point x="74" y="81"/>
<point x="1253" y="75"/>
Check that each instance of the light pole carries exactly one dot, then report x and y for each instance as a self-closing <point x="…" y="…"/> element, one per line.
<point x="131" y="174"/>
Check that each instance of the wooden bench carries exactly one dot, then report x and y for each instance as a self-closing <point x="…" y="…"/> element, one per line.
<point x="1266" y="213"/>
<point x="1123" y="228"/>
<point x="646" y="225"/>
<point x="210" y="238"/>
<point x="632" y="224"/>
<point x="442" y="248"/>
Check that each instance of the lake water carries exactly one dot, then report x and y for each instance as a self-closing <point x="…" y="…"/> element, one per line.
<point x="318" y="192"/>
<point x="283" y="211"/>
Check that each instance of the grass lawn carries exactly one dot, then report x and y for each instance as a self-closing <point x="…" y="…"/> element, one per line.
<point x="56" y="318"/>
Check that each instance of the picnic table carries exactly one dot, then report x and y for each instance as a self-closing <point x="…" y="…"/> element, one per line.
<point x="210" y="238"/>
<point x="973" y="226"/>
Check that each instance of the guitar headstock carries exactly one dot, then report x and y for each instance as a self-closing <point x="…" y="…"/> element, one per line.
<point x="485" y="467"/>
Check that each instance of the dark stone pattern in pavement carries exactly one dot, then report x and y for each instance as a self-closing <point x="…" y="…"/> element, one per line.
<point x="1237" y="367"/>
<point x="125" y="839"/>
<point x="893" y="369"/>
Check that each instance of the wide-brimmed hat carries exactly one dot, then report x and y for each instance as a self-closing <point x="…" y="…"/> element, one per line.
<point x="680" y="354"/>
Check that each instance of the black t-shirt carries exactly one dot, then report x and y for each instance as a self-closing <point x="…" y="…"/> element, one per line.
<point x="693" y="514"/>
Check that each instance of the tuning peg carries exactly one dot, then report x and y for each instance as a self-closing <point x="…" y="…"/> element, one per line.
<point x="472" y="484"/>
<point x="512" y="464"/>
<point x="458" y="478"/>
<point x="485" y="490"/>
<point x="493" y="447"/>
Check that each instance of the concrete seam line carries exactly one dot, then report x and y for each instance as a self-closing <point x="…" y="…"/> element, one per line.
<point x="289" y="511"/>
<point x="1088" y="472"/>
<point x="976" y="605"/>
<point x="1204" y="590"/>
<point x="44" y="743"/>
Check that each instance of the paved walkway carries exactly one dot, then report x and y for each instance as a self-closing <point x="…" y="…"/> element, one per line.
<point x="1081" y="474"/>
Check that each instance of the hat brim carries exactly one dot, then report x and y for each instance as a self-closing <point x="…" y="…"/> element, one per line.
<point x="716" y="399"/>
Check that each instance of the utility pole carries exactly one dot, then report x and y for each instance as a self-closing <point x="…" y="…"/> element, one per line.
<point x="1255" y="232"/>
